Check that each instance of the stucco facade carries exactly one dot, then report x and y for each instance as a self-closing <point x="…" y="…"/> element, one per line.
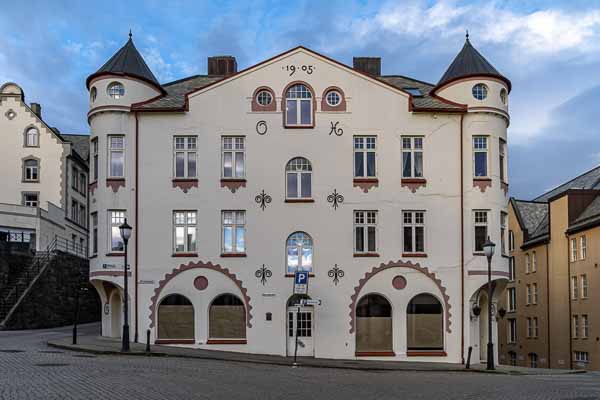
<point x="447" y="269"/>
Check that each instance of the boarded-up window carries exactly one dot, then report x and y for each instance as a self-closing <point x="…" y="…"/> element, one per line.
<point x="175" y="318"/>
<point x="425" y="323"/>
<point x="227" y="318"/>
<point x="373" y="324"/>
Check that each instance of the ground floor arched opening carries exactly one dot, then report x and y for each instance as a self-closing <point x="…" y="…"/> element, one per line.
<point x="175" y="318"/>
<point x="116" y="314"/>
<point x="227" y="318"/>
<point x="374" y="333"/>
<point x="424" y="323"/>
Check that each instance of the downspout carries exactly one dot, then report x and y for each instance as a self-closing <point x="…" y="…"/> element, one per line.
<point x="462" y="247"/>
<point x="548" y="301"/>
<point x="570" y="301"/>
<point x="137" y="191"/>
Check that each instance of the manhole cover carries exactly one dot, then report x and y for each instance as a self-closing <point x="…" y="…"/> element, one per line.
<point x="50" y="365"/>
<point x="83" y="356"/>
<point x="12" y="351"/>
<point x="51" y="352"/>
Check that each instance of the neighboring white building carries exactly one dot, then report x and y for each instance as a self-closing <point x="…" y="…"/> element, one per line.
<point x="382" y="187"/>
<point x="43" y="179"/>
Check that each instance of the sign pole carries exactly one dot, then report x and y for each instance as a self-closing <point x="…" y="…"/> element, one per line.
<point x="296" y="334"/>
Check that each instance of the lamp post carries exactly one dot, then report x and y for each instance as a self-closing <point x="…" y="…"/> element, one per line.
<point x="125" y="230"/>
<point x="488" y="249"/>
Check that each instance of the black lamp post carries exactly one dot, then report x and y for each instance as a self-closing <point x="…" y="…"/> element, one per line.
<point x="488" y="249"/>
<point x="125" y="230"/>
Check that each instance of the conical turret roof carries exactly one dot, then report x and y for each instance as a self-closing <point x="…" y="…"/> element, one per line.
<point x="469" y="62"/>
<point x="127" y="62"/>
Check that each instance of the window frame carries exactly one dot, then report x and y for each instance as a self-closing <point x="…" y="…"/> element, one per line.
<point x="511" y="240"/>
<point x="293" y="168"/>
<point x="412" y="150"/>
<point x="94" y="216"/>
<point x="115" y="224"/>
<point x="233" y="151"/>
<point x="574" y="251"/>
<point x="512" y="269"/>
<point x="574" y="288"/>
<point x="111" y="92"/>
<point x="512" y="331"/>
<point x="298" y="104"/>
<point x="413" y="225"/>
<point x="533" y="261"/>
<point x="502" y="160"/>
<point x="94" y="159"/>
<point x="36" y="137"/>
<point x="511" y="299"/>
<point x="503" y="232"/>
<point x="300" y="249"/>
<point x="585" y="326"/>
<point x="528" y="294"/>
<point x="486" y="151"/>
<point x="480" y="91"/>
<point x="188" y="150"/>
<point x="480" y="224"/>
<point x="186" y="225"/>
<point x="534" y="293"/>
<point x="234" y="225"/>
<point x="25" y="202"/>
<point x="35" y="170"/>
<point x="332" y="92"/>
<point x="575" y="329"/>
<point x="583" y="246"/>
<point x="527" y="263"/>
<point x="365" y="225"/>
<point x="584" y="286"/>
<point x="116" y="150"/>
<point x="365" y="151"/>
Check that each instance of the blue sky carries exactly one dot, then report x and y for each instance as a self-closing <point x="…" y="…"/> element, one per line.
<point x="549" y="49"/>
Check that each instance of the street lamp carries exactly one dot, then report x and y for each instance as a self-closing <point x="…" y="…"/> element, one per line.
<point x="125" y="230"/>
<point x="488" y="249"/>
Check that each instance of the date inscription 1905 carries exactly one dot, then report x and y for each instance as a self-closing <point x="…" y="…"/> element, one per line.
<point x="309" y="69"/>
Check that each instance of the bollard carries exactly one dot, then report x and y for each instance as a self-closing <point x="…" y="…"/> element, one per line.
<point x="469" y="357"/>
<point x="148" y="341"/>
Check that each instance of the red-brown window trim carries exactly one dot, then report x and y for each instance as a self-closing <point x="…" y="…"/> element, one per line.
<point x="227" y="341"/>
<point x="415" y="255"/>
<point x="184" y="255"/>
<point x="370" y="254"/>
<point x="233" y="255"/>
<point x="340" y="107"/>
<point x="269" y="107"/>
<point x="175" y="341"/>
<point x="375" y="354"/>
<point x="426" y="353"/>
<point x="283" y="106"/>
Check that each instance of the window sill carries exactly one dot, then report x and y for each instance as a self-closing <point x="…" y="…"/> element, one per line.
<point x="312" y="126"/>
<point x="414" y="180"/>
<point x="426" y="353"/>
<point x="239" y="180"/>
<point x="415" y="255"/>
<point x="365" y="184"/>
<point x="366" y="180"/>
<point x="116" y="180"/>
<point x="482" y="179"/>
<point x="299" y="200"/>
<point x="413" y="183"/>
<point x="366" y="255"/>
<point x="30" y="181"/>
<point x="375" y="354"/>
<point x="227" y="341"/>
<point x="310" y="275"/>
<point x="184" y="180"/>
<point x="122" y="254"/>
<point x="233" y="255"/>
<point x="175" y="341"/>
<point x="479" y="253"/>
<point x="184" y="255"/>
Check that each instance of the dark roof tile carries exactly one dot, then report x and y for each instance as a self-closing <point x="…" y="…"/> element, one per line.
<point x="588" y="180"/>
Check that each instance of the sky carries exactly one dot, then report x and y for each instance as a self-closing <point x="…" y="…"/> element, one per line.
<point x="550" y="50"/>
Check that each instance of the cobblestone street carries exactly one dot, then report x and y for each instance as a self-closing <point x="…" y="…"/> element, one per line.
<point x="29" y="369"/>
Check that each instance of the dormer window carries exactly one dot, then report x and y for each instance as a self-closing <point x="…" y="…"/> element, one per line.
<point x="116" y="90"/>
<point x="93" y="94"/>
<point x="298" y="106"/>
<point x="480" y="91"/>
<point x="32" y="137"/>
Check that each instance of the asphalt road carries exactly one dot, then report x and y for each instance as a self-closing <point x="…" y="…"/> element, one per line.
<point x="31" y="370"/>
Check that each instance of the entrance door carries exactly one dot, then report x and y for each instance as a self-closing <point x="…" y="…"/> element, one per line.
<point x="301" y="323"/>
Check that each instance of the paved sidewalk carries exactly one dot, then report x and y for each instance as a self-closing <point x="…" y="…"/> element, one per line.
<point x="109" y="346"/>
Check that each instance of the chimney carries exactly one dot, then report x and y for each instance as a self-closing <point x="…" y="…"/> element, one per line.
<point x="37" y="109"/>
<point x="368" y="65"/>
<point x="222" y="65"/>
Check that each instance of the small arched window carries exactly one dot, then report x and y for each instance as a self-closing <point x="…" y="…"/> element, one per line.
<point x="93" y="94"/>
<point x="32" y="137"/>
<point x="31" y="170"/>
<point x="374" y="324"/>
<point x="298" y="177"/>
<point x="503" y="96"/>
<point x="298" y="106"/>
<point x="227" y="318"/>
<point x="424" y="323"/>
<point x="299" y="250"/>
<point x="116" y="90"/>
<point x="175" y="318"/>
<point x="480" y="91"/>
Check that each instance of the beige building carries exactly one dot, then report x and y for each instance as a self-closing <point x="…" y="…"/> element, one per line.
<point x="553" y="245"/>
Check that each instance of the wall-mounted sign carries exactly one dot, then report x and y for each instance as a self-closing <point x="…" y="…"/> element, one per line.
<point x="301" y="282"/>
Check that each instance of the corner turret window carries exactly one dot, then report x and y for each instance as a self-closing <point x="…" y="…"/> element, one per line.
<point x="32" y="137"/>
<point x="116" y="90"/>
<point x="480" y="91"/>
<point x="503" y="96"/>
<point x="93" y="94"/>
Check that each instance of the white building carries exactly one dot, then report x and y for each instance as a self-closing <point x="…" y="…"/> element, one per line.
<point x="43" y="179"/>
<point x="382" y="187"/>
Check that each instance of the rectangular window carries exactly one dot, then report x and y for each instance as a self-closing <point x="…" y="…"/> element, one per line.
<point x="533" y="262"/>
<point x="115" y="219"/>
<point x="481" y="229"/>
<point x="412" y="157"/>
<point x="364" y="157"/>
<point x="75" y="178"/>
<point x="574" y="288"/>
<point x="82" y="184"/>
<point x="365" y="231"/>
<point x="116" y="156"/>
<point x="82" y="215"/>
<point x="512" y="299"/>
<point x="480" y="156"/>
<point x="31" y="170"/>
<point x="527" y="263"/>
<point x="575" y="326"/>
<point x="573" y="250"/>
<point x="536" y="328"/>
<point x="511" y="269"/>
<point x="31" y="199"/>
<point x="534" y="289"/>
<point x="185" y="231"/>
<point x="585" y="326"/>
<point x="414" y="231"/>
<point x="584" y="286"/>
<point x="95" y="158"/>
<point x="528" y="294"/>
<point x="95" y="233"/>
<point x="233" y="154"/>
<point x="512" y="330"/>
<point x="511" y="241"/>
<point x="502" y="160"/>
<point x="184" y="156"/>
<point x="74" y="211"/>
<point x="503" y="226"/>
<point x="583" y="243"/>
<point x="529" y="328"/>
<point x="582" y="356"/>
<point x="234" y="231"/>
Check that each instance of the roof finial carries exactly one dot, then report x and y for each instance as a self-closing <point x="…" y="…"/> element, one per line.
<point x="467" y="35"/>
<point x="131" y="34"/>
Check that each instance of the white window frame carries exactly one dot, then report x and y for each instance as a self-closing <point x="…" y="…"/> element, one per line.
<point x="298" y="166"/>
<point x="413" y="220"/>
<point x="573" y="249"/>
<point x="502" y="161"/>
<point x="511" y="240"/>
<point x="575" y="326"/>
<point x="365" y="145"/>
<point x="365" y="219"/>
<point x="503" y="231"/>
<point x="32" y="137"/>
<point x="115" y="90"/>
<point x="511" y="299"/>
<point x="31" y="203"/>
<point x="535" y="294"/>
<point x="582" y="356"/>
<point x="528" y="295"/>
<point x="533" y="261"/>
<point x="574" y="288"/>
<point x="237" y="220"/>
<point x="411" y="146"/>
<point x="529" y="328"/>
<point x="74" y="211"/>
<point x="187" y="146"/>
<point x="190" y="220"/>
<point x="300" y="252"/>
<point x="527" y="263"/>
<point x="584" y="286"/>
<point x="583" y="245"/>
<point x="536" y="327"/>
<point x="585" y="326"/>
<point x="113" y="150"/>
<point x="234" y="147"/>
<point x="94" y="216"/>
<point x="477" y="148"/>
<point x="512" y="330"/>
<point x="95" y="159"/>
<point x="31" y="170"/>
<point x="299" y="100"/>
<point x="115" y="219"/>
<point x="478" y="221"/>
<point x="512" y="269"/>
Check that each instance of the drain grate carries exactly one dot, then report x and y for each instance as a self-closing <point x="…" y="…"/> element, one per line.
<point x="52" y="352"/>
<point x="12" y="351"/>
<point x="50" y="365"/>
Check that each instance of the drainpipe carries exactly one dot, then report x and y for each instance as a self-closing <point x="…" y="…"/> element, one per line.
<point x="137" y="191"/>
<point x="462" y="247"/>
<point x="548" y="301"/>
<point x="570" y="302"/>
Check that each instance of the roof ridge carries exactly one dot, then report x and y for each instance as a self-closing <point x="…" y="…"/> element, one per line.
<point x="407" y="77"/>
<point x="567" y="182"/>
<point x="183" y="79"/>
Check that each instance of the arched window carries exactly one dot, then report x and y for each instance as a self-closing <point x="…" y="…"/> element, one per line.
<point x="374" y="324"/>
<point x="298" y="106"/>
<point x="116" y="90"/>
<point x="298" y="177"/>
<point x="299" y="253"/>
<point x="227" y="318"/>
<point x="175" y="318"/>
<point x="32" y="137"/>
<point x="425" y="325"/>
<point x="93" y="94"/>
<point x="31" y="170"/>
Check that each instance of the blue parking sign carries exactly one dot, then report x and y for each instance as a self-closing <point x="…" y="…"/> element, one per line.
<point x="301" y="282"/>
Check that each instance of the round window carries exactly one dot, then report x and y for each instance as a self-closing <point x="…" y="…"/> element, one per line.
<point x="116" y="90"/>
<point x="264" y="98"/>
<point x="503" y="96"/>
<point x="480" y="91"/>
<point x="93" y="94"/>
<point x="333" y="98"/>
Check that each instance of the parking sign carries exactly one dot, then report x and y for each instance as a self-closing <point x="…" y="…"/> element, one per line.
<point x="301" y="282"/>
